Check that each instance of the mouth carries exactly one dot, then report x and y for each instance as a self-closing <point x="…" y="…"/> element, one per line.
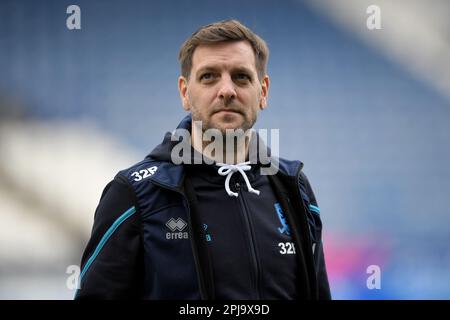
<point x="227" y="111"/>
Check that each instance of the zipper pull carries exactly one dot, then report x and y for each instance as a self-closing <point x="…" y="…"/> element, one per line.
<point x="237" y="186"/>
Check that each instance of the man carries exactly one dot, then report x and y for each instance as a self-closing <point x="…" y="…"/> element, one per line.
<point x="211" y="226"/>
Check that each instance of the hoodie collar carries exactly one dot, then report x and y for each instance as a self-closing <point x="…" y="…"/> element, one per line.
<point x="172" y="175"/>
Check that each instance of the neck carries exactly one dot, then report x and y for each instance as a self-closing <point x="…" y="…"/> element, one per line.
<point x="231" y="149"/>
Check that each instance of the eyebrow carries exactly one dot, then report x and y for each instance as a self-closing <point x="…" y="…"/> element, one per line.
<point x="213" y="69"/>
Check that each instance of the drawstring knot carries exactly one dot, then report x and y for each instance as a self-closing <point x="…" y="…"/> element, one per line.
<point x="229" y="169"/>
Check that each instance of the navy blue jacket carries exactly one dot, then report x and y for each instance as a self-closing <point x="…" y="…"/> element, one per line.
<point x="129" y="256"/>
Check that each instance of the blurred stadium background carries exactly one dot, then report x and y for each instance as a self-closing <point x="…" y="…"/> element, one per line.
<point x="367" y="111"/>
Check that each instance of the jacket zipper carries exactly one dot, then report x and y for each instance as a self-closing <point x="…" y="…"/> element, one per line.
<point x="256" y="264"/>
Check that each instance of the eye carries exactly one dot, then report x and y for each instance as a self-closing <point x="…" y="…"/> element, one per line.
<point x="243" y="77"/>
<point x="206" y="76"/>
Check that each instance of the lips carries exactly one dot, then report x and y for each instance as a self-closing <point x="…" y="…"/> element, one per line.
<point x="228" y="111"/>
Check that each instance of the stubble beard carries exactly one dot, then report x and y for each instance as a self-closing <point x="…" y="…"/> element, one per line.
<point x="208" y="124"/>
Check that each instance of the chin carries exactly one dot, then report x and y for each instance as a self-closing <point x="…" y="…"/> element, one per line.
<point x="229" y="126"/>
<point x="222" y="125"/>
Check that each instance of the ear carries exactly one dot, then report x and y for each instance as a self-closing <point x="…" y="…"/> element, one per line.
<point x="182" y="88"/>
<point x="265" y="82"/>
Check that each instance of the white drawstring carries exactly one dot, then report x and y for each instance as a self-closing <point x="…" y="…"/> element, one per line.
<point x="229" y="169"/>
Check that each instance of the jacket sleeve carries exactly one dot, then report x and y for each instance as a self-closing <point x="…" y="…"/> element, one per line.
<point x="112" y="261"/>
<point x="319" y="258"/>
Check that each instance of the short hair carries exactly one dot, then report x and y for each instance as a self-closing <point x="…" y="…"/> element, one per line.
<point x="222" y="31"/>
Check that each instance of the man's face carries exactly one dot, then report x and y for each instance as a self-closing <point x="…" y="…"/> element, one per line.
<point x="223" y="90"/>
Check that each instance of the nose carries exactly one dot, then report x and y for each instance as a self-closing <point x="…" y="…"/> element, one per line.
<point x="227" y="90"/>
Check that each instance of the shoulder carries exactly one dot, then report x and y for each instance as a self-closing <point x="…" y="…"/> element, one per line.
<point x="153" y="183"/>
<point x="294" y="168"/>
<point x="289" y="167"/>
<point x="139" y="179"/>
<point x="139" y="171"/>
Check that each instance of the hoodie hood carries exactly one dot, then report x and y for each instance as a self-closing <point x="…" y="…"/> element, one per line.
<point x="172" y="174"/>
<point x="163" y="151"/>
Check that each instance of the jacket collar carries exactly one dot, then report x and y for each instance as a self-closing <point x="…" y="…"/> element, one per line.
<point x="171" y="175"/>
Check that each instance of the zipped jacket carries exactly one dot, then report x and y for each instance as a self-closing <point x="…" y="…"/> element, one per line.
<point x="147" y="241"/>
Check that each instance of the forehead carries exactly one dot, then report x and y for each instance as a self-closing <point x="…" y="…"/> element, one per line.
<point x="224" y="54"/>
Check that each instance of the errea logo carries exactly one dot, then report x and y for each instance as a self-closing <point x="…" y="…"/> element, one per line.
<point x="176" y="225"/>
<point x="144" y="173"/>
